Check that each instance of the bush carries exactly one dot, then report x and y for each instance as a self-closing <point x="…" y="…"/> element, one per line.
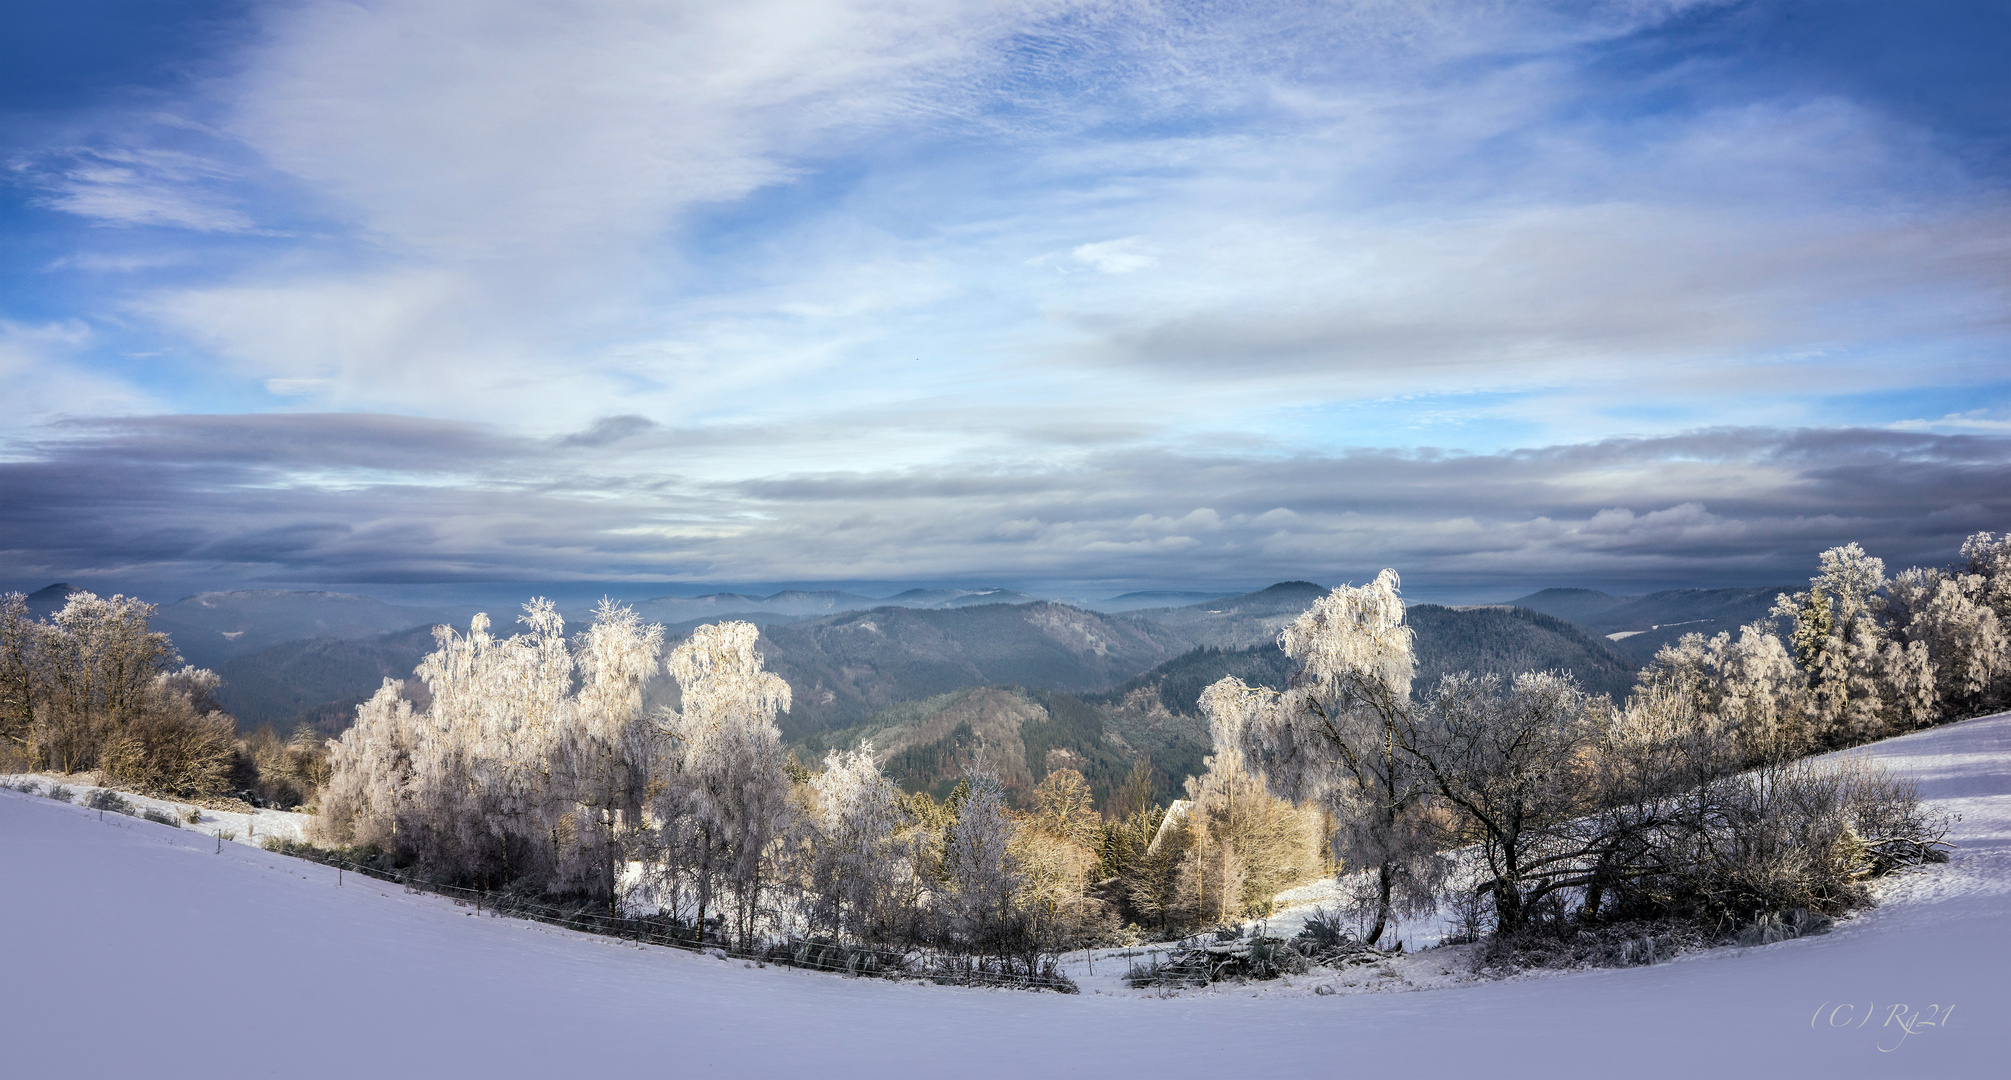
<point x="61" y="794"/>
<point x="1780" y="926"/>
<point x="1806" y="836"/>
<point x="26" y="787"/>
<point x="101" y="799"/>
<point x="1224" y="959"/>
<point x="161" y="816"/>
<point x="173" y="752"/>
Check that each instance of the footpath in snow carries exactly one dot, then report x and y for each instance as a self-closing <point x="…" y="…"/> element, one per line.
<point x="137" y="949"/>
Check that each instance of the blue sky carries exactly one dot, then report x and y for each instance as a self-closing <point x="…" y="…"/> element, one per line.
<point x="1072" y="297"/>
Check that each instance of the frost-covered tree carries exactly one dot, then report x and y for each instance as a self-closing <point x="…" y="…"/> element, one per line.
<point x="982" y="873"/>
<point x="370" y="782"/>
<point x="22" y="670"/>
<point x="604" y="754"/>
<point x="1988" y="556"/>
<point x="1509" y="759"/>
<point x="1333" y="738"/>
<point x="100" y="658"/>
<point x="483" y="752"/>
<point x="728" y="797"/>
<point x="858" y="863"/>
<point x="176" y="742"/>
<point x="1736" y="701"/>
<point x="1949" y="615"/>
<point x="1861" y="683"/>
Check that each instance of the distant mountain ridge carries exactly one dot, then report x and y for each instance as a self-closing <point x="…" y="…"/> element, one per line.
<point x="289" y="657"/>
<point x="1028" y="730"/>
<point x="210" y="628"/>
<point x="1638" y="626"/>
<point x="1237" y="622"/>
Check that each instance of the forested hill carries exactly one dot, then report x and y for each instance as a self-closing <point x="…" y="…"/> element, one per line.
<point x="319" y="681"/>
<point x="1639" y="625"/>
<point x="211" y="628"/>
<point x="1237" y="622"/>
<point x="1508" y="641"/>
<point x="843" y="668"/>
<point x="1155" y="716"/>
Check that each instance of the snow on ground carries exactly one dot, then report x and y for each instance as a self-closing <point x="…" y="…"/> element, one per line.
<point x="136" y="949"/>
<point x="252" y="827"/>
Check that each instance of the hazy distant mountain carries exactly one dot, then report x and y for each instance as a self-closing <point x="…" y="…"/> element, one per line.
<point x="1237" y="622"/>
<point x="1138" y="601"/>
<point x="1586" y="607"/>
<point x="210" y="628"/>
<point x="1639" y="625"/>
<point x="790" y="603"/>
<point x="319" y="681"/>
<point x="793" y="604"/>
<point x="46" y="601"/>
<point x="842" y="668"/>
<point x="1028" y="732"/>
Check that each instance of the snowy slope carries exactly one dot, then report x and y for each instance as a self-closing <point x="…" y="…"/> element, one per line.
<point x="134" y="949"/>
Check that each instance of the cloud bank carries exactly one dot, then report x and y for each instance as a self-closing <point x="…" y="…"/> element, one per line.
<point x="372" y="499"/>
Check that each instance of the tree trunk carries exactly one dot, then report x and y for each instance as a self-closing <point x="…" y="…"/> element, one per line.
<point x="1385" y="880"/>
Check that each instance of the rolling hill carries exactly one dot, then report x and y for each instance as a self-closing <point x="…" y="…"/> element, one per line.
<point x="844" y="668"/>
<point x="1637" y="626"/>
<point x="210" y="628"/>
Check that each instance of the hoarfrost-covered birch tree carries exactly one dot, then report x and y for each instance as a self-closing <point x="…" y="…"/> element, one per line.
<point x="1861" y="682"/>
<point x="729" y="783"/>
<point x="482" y="760"/>
<point x="370" y="782"/>
<point x="982" y="875"/>
<point x="857" y="863"/>
<point x="603" y="757"/>
<point x="1333" y="737"/>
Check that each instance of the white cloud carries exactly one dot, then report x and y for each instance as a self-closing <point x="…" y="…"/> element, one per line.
<point x="43" y="378"/>
<point x="118" y="185"/>
<point x="1114" y="256"/>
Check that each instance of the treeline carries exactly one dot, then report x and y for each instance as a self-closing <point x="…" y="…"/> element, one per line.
<point x="95" y="688"/>
<point x="1534" y="804"/>
<point x="534" y="766"/>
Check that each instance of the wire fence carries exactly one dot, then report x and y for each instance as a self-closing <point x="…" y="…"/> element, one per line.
<point x="809" y="953"/>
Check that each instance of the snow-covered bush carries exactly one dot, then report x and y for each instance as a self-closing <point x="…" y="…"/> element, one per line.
<point x="102" y="799"/>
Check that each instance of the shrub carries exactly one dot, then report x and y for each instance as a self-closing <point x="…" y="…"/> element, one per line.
<point x="1806" y="836"/>
<point x="192" y="816"/>
<point x="173" y="751"/>
<point x="1224" y="959"/>
<point x="26" y="787"/>
<point x="161" y="816"/>
<point x="1780" y="926"/>
<point x="101" y="799"/>
<point x="61" y="794"/>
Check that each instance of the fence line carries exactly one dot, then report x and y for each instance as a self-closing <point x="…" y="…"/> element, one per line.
<point x="805" y="953"/>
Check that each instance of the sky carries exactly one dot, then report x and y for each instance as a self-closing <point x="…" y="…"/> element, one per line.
<point x="1075" y="298"/>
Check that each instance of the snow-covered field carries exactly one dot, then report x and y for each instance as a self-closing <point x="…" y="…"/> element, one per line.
<point x="251" y="827"/>
<point x="134" y="949"/>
